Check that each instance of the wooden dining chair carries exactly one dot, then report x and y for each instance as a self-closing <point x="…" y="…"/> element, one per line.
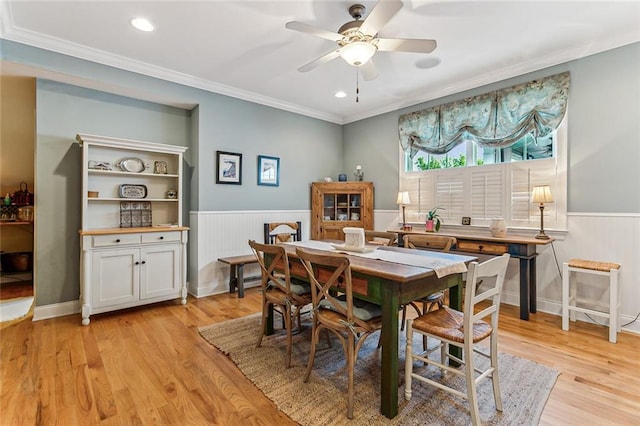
<point x="381" y="237"/>
<point x="351" y="320"/>
<point x="427" y="242"/>
<point x="282" y="232"/>
<point x="280" y="291"/>
<point x="464" y="330"/>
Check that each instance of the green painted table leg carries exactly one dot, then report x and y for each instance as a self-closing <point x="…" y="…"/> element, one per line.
<point x="389" y="382"/>
<point x="455" y="302"/>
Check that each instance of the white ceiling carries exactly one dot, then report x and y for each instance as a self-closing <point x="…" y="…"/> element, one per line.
<point x="241" y="48"/>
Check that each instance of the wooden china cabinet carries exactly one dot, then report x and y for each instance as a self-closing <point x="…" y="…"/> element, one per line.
<point x="336" y="205"/>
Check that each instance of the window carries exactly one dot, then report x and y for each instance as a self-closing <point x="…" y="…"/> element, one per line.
<point x="487" y="183"/>
<point x="471" y="154"/>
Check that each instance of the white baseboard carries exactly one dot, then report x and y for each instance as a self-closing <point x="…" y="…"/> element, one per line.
<point x="219" y="288"/>
<point x="56" y="310"/>
<point x="554" y="308"/>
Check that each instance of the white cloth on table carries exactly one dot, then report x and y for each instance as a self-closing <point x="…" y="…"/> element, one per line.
<point x="441" y="263"/>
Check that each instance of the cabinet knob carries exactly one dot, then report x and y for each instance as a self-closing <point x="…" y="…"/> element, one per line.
<point x="137" y="263"/>
<point x="143" y="262"/>
<point x="118" y="240"/>
<point x="162" y="237"/>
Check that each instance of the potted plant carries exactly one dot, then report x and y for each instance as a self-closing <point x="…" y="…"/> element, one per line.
<point x="433" y="220"/>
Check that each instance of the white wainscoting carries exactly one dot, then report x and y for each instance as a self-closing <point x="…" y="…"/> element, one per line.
<point x="221" y="234"/>
<point x="601" y="237"/>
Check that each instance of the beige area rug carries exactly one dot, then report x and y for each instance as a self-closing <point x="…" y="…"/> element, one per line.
<point x="525" y="384"/>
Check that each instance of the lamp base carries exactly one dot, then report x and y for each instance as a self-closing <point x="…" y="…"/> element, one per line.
<point x="541" y="235"/>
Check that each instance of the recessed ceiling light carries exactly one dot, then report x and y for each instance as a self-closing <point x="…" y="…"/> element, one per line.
<point x="340" y="94"/>
<point x="142" y="24"/>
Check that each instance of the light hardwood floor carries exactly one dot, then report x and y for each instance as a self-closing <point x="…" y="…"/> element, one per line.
<point x="149" y="365"/>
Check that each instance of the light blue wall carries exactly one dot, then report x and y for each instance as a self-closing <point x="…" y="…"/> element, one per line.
<point x="308" y="150"/>
<point x="604" y="134"/>
<point x="62" y="112"/>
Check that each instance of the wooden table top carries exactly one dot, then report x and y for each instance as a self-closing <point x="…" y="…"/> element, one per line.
<point x="509" y="239"/>
<point x="382" y="269"/>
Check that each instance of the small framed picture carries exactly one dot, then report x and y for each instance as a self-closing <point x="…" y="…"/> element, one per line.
<point x="160" y="167"/>
<point x="268" y="170"/>
<point x="228" y="167"/>
<point x="466" y="220"/>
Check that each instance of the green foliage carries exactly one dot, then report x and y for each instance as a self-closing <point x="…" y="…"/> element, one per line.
<point x="444" y="163"/>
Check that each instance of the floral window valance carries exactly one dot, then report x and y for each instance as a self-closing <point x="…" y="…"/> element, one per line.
<point x="494" y="120"/>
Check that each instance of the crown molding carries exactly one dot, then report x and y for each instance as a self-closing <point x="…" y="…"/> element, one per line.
<point x="10" y="32"/>
<point x="20" y="35"/>
<point x="535" y="64"/>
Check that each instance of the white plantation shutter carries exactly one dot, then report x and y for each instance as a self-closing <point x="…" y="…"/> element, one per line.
<point x="520" y="194"/>
<point x="450" y="194"/>
<point x="524" y="176"/>
<point x="487" y="193"/>
<point x="421" y="194"/>
<point x="482" y="193"/>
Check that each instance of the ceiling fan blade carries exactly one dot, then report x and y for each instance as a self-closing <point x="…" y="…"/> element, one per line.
<point x="321" y="60"/>
<point x="406" y="45"/>
<point x="309" y="29"/>
<point x="369" y="71"/>
<point x="382" y="13"/>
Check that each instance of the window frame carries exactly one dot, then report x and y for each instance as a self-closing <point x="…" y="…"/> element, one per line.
<point x="428" y="189"/>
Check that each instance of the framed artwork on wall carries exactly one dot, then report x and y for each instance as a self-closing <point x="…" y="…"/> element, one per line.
<point x="268" y="170"/>
<point x="228" y="167"/>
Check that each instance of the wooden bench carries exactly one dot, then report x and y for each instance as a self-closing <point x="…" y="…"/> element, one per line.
<point x="236" y="275"/>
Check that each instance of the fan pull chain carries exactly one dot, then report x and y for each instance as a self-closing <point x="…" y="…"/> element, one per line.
<point x="357" y="85"/>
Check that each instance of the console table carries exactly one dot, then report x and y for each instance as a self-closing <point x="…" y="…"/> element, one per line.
<point x="522" y="248"/>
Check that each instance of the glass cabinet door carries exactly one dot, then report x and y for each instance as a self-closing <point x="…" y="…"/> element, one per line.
<point x="342" y="207"/>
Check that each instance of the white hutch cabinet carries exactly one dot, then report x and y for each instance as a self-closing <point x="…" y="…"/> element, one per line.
<point x="133" y="244"/>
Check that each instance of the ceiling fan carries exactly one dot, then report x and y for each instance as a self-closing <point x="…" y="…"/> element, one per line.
<point x="358" y="40"/>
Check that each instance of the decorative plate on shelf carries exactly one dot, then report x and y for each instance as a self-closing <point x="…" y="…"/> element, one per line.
<point x="134" y="165"/>
<point x="133" y="191"/>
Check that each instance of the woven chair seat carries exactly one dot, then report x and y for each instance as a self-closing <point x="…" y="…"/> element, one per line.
<point x="448" y="323"/>
<point x="593" y="265"/>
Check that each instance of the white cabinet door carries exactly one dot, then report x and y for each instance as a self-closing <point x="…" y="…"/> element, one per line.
<point x="115" y="276"/>
<point x="160" y="272"/>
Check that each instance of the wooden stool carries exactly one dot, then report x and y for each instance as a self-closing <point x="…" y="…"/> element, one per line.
<point x="569" y="292"/>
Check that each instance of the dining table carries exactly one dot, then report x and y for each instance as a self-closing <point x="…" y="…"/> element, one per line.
<point x="392" y="277"/>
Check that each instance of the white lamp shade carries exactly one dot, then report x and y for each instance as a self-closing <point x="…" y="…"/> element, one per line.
<point x="357" y="53"/>
<point x="541" y="194"/>
<point x="403" y="198"/>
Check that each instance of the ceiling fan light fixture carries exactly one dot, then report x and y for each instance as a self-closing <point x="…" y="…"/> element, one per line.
<point x="357" y="53"/>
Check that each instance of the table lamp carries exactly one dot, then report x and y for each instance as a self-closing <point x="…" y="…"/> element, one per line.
<point x="542" y="194"/>
<point x="403" y="200"/>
